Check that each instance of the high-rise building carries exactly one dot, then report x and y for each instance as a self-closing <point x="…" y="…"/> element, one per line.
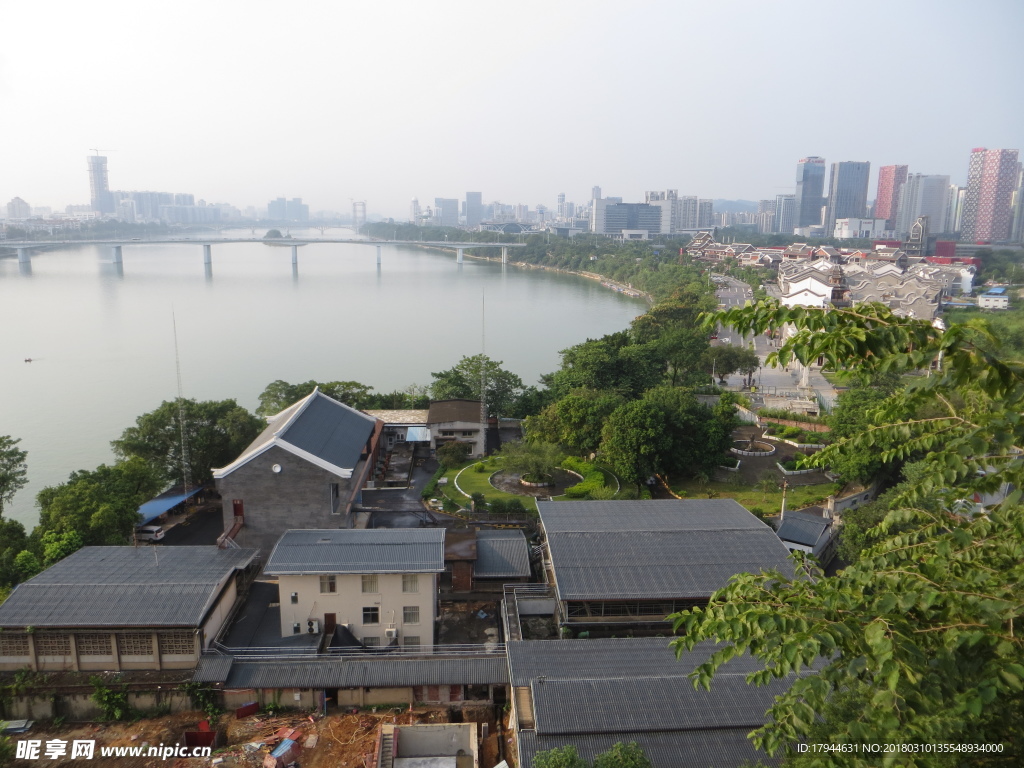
<point x="991" y="180"/>
<point x="561" y="206"/>
<point x="99" y="187"/>
<point x="1017" y="235"/>
<point x="810" y="188"/>
<point x="414" y="211"/>
<point x="18" y="209"/>
<point x="923" y="195"/>
<point x="847" y="192"/>
<point x="446" y="211"/>
<point x="890" y="180"/>
<point x="595" y="193"/>
<point x="785" y="214"/>
<point x="705" y="214"/>
<point x="474" y="209"/>
<point x="954" y="206"/>
<point x="287" y="210"/>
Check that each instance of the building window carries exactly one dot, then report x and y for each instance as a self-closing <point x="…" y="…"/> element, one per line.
<point x="469" y="433"/>
<point x="371" y="642"/>
<point x="371" y="615"/>
<point x="135" y="645"/>
<point x="410" y="582"/>
<point x="93" y="644"/>
<point x="328" y="584"/>
<point x="335" y="498"/>
<point x="370" y="584"/>
<point x="177" y="643"/>
<point x="411" y="614"/>
<point x="14" y="644"/>
<point x="411" y="641"/>
<point x="296" y="628"/>
<point x="447" y="433"/>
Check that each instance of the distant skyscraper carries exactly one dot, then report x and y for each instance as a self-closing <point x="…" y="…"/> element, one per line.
<point x="991" y="180"/>
<point x="474" y="209"/>
<point x="99" y="188"/>
<point x="890" y="179"/>
<point x="595" y="193"/>
<point x="954" y="205"/>
<point x="1018" y="207"/>
<point x="848" y="193"/>
<point x="18" y="209"/>
<point x="446" y="211"/>
<point x="923" y="195"/>
<point x="414" y="210"/>
<point x="705" y="213"/>
<point x="810" y="188"/>
<point x="785" y="214"/>
<point x="561" y="205"/>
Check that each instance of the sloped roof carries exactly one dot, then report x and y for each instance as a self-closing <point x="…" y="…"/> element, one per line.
<point x="501" y="554"/>
<point x="443" y="411"/>
<point x="384" y="550"/>
<point x="804" y="529"/>
<point x="656" y="549"/>
<point x="594" y="693"/>
<point x="400" y="417"/>
<point x="318" y="429"/>
<point x="124" y="586"/>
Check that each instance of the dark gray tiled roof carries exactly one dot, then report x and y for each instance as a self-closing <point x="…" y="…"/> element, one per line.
<point x="443" y="411"/>
<point x="213" y="669"/>
<point x="803" y="529"/>
<point x="661" y="549"/>
<point x="384" y="550"/>
<point x="124" y="586"/>
<point x="374" y="673"/>
<point x="501" y="554"/>
<point x="331" y="431"/>
<point x="598" y="692"/>
<point x="727" y="748"/>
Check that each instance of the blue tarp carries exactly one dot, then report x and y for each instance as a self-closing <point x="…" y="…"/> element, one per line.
<point x="167" y="500"/>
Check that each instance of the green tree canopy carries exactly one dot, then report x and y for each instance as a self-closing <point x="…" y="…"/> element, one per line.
<point x="620" y="755"/>
<point x="696" y="436"/>
<point x="216" y="432"/>
<point x="533" y="459"/>
<point x="575" y="421"/>
<point x="13" y="469"/>
<point x="279" y="394"/>
<point x="559" y="757"/>
<point x="462" y="381"/>
<point x="634" y="441"/>
<point x="918" y="641"/>
<point x="613" y="363"/>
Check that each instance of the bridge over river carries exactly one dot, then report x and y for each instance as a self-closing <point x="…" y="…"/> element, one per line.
<point x="25" y="247"/>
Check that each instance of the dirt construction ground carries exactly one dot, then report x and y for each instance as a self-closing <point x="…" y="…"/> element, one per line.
<point x="341" y="740"/>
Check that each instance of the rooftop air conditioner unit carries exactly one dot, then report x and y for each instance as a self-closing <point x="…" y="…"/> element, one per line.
<point x="313" y="627"/>
<point x="390" y="634"/>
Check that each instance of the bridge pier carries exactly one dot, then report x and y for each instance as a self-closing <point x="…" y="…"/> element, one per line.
<point x="504" y="254"/>
<point x="460" y="256"/>
<point x="24" y="256"/>
<point x="207" y="253"/>
<point x="295" y="254"/>
<point x="118" y="256"/>
<point x="378" y="255"/>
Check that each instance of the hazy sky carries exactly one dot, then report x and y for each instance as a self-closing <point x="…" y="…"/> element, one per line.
<point x="242" y="101"/>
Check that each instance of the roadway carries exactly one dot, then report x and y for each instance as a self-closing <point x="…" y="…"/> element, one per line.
<point x="274" y="241"/>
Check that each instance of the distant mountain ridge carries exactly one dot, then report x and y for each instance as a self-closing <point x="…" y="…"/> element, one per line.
<point x="735" y="206"/>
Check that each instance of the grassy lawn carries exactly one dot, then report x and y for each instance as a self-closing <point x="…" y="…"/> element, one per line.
<point x="796" y="497"/>
<point x="477" y="482"/>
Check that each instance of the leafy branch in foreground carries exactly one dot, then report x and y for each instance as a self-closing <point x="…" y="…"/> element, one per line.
<point x="916" y="642"/>
<point x="964" y="418"/>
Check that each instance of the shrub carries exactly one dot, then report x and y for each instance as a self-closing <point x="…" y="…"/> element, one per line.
<point x="593" y="478"/>
<point x="479" y="502"/>
<point x="758" y="512"/>
<point x="514" y="507"/>
<point x="498" y="506"/>
<point x="431" y="486"/>
<point x="451" y="454"/>
<point x="449" y="506"/>
<point x="480" y="468"/>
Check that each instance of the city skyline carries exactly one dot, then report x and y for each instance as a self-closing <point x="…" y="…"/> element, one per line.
<point x="201" y="101"/>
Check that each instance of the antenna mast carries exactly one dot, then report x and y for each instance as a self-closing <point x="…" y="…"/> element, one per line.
<point x="186" y="478"/>
<point x="483" y="367"/>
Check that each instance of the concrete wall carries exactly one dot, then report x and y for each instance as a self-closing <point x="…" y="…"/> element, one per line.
<point x="435" y="740"/>
<point x="130" y="648"/>
<point x="349" y="600"/>
<point x="290" y="698"/>
<point x="221" y="611"/>
<point x="81" y="707"/>
<point x="373" y="697"/>
<point x="299" y="496"/>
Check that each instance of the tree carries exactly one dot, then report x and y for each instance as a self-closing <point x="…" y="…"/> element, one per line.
<point x="767" y="482"/>
<point x="452" y="453"/>
<point x="279" y="394"/>
<point x="623" y="755"/>
<point x="462" y="381"/>
<point x="532" y="460"/>
<point x="99" y="506"/>
<point x="559" y="757"/>
<point x="272" y="234"/>
<point x="13" y="469"/>
<point x="612" y="362"/>
<point x="634" y="440"/>
<point x="12" y="541"/>
<point x="575" y="421"/>
<point x="918" y="641"/>
<point x="216" y="432"/>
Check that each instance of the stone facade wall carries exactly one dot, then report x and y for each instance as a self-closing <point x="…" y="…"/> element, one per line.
<point x="299" y="496"/>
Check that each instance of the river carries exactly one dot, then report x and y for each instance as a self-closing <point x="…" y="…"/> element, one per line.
<point x="102" y="343"/>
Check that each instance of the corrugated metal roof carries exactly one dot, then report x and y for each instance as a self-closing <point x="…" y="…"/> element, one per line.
<point x="443" y="411"/>
<point x="390" y="417"/>
<point x="331" y="431"/>
<point x="372" y="673"/>
<point x="385" y="550"/>
<point x="661" y="549"/>
<point x="803" y="529"/>
<point x="700" y="749"/>
<point x="124" y="586"/>
<point x="501" y="554"/>
<point x="213" y="669"/>
<point x="164" y="502"/>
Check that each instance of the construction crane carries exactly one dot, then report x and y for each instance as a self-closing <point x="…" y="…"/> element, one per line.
<point x="97" y="151"/>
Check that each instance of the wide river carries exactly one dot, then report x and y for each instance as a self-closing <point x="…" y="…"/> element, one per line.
<point x="101" y="335"/>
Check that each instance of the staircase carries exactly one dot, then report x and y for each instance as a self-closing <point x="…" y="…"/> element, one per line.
<point x="524" y="708"/>
<point x="387" y="751"/>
